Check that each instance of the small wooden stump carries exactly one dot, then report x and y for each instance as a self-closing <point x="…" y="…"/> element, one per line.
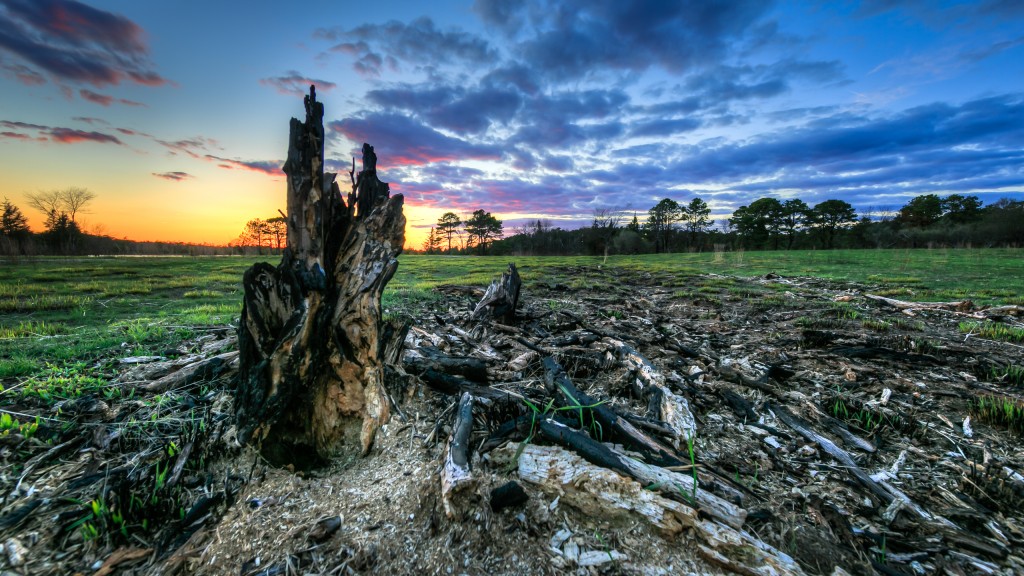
<point x="311" y="370"/>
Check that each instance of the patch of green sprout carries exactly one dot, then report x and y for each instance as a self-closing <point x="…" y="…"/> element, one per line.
<point x="999" y="411"/>
<point x="876" y="325"/>
<point x="993" y="331"/>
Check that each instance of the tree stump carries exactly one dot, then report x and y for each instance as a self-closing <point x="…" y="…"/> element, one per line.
<point x="311" y="371"/>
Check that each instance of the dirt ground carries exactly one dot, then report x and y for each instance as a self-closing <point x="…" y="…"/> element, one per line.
<point x="898" y="391"/>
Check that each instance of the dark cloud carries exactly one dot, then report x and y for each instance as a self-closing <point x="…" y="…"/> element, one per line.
<point x="295" y="84"/>
<point x="173" y="176"/>
<point x="75" y="42"/>
<point x="71" y="136"/>
<point x="419" y="42"/>
<point x="268" y="167"/>
<point x="91" y="120"/>
<point x="575" y="38"/>
<point x="15" y="136"/>
<point x="62" y="135"/>
<point x="193" y="147"/>
<point x="22" y="125"/>
<point x="400" y="140"/>
<point x="105" y="100"/>
<point x="449" y="107"/>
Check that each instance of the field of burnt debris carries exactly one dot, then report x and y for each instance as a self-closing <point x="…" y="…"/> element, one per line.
<point x="621" y="421"/>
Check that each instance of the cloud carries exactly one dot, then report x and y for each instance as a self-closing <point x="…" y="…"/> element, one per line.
<point x="400" y="140"/>
<point x="75" y="42"/>
<point x="91" y="120"/>
<point x="71" y="136"/>
<point x="268" y="167"/>
<point x="452" y="108"/>
<point x="173" y="176"/>
<point x="105" y="100"/>
<point x="15" y="136"/>
<point x="576" y="38"/>
<point x="666" y="127"/>
<point x="417" y="42"/>
<point x="23" y="74"/>
<point x="295" y="84"/>
<point x="62" y="135"/>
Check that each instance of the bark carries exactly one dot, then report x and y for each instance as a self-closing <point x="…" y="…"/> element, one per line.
<point x="310" y="337"/>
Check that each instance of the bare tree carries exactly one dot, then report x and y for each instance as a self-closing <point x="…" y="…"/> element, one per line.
<point x="49" y="202"/>
<point x="75" y="199"/>
<point x="70" y="201"/>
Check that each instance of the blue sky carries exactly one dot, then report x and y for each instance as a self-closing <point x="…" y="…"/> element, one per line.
<point x="175" y="113"/>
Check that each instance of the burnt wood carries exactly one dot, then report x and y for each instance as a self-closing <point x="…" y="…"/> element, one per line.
<point x="311" y="369"/>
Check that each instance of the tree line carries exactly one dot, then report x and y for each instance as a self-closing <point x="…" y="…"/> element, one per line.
<point x="668" y="226"/>
<point x="765" y="224"/>
<point x="63" y="233"/>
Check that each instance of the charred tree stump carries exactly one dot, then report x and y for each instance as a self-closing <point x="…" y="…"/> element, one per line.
<point x="310" y="337"/>
<point x="501" y="298"/>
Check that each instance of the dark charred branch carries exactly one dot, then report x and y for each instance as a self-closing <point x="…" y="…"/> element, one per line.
<point x="311" y="358"/>
<point x="428" y="358"/>
<point x="610" y="426"/>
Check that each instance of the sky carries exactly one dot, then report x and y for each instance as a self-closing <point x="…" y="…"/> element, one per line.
<point x="175" y="114"/>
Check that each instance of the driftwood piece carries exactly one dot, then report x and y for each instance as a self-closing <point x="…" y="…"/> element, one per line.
<point x="456" y="473"/>
<point x="600" y="492"/>
<point x="501" y="298"/>
<point x="673" y="409"/>
<point x="310" y="337"/>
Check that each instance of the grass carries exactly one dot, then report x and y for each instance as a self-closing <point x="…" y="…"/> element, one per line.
<point x="91" y="310"/>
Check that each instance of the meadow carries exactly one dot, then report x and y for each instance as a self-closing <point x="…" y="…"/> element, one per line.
<point x="76" y="317"/>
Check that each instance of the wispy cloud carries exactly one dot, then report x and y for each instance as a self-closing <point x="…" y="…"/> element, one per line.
<point x="105" y="100"/>
<point x="173" y="176"/>
<point x="62" y="135"/>
<point x="296" y="84"/>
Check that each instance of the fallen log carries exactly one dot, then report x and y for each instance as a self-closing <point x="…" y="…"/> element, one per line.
<point x="961" y="306"/>
<point x="600" y="492"/>
<point x="419" y="360"/>
<point x="830" y="447"/>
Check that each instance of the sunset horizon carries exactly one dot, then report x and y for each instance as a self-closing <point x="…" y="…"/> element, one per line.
<point x="176" y="117"/>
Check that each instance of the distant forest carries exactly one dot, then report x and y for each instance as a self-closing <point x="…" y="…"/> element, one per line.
<point x="765" y="224"/>
<point x="670" y="226"/>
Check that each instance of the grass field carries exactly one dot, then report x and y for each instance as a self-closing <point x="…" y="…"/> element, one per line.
<point x="72" y="318"/>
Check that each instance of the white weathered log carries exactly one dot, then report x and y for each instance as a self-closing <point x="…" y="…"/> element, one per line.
<point x="961" y="306"/>
<point x="681" y="486"/>
<point x="456" y="474"/>
<point x="599" y="492"/>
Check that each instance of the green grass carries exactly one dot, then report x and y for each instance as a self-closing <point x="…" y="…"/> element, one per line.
<point x="65" y="311"/>
<point x="993" y="331"/>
